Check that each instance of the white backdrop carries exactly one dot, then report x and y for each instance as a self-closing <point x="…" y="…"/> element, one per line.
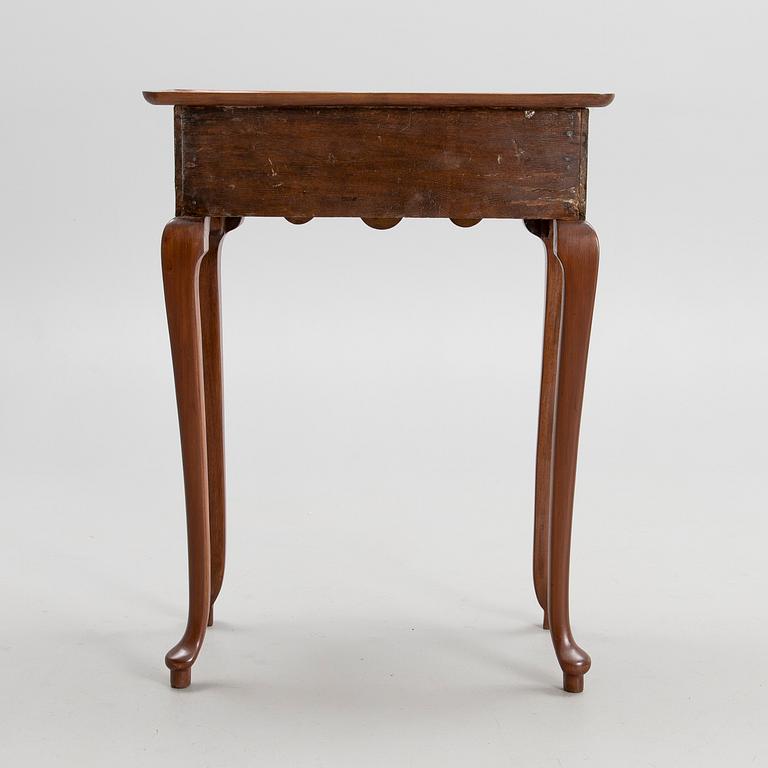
<point x="381" y="396"/>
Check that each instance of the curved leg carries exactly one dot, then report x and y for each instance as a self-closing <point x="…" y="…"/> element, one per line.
<point x="576" y="249"/>
<point x="210" y="321"/>
<point x="544" y="443"/>
<point x="185" y="240"/>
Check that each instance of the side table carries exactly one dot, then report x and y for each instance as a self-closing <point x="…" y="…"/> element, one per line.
<point x="379" y="157"/>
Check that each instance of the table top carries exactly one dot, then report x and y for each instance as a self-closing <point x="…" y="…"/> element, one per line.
<point x="416" y="100"/>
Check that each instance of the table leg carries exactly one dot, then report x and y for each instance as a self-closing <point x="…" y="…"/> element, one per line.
<point x="575" y="247"/>
<point x="545" y="441"/>
<point x="210" y="321"/>
<point x="185" y="241"/>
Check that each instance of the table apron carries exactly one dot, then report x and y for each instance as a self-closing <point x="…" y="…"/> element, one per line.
<point x="381" y="162"/>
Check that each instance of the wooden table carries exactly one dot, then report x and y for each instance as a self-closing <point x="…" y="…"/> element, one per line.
<point x="379" y="157"/>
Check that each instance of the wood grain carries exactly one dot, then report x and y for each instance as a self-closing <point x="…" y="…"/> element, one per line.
<point x="334" y="99"/>
<point x="381" y="163"/>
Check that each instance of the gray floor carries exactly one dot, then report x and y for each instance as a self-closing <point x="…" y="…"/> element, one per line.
<point x="330" y="649"/>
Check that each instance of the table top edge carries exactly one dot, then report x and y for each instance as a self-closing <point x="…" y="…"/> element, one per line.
<point x="349" y="99"/>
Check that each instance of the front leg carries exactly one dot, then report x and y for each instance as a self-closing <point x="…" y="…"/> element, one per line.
<point x="185" y="240"/>
<point x="576" y="249"/>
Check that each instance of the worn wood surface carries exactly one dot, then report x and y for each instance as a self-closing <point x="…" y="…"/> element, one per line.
<point x="334" y="99"/>
<point x="381" y="163"/>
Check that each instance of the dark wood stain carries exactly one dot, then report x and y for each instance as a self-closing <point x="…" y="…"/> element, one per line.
<point x="380" y="163"/>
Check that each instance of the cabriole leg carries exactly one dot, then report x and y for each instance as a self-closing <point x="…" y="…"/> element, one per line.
<point x="545" y="440"/>
<point x="210" y="320"/>
<point x="576" y="248"/>
<point x="185" y="241"/>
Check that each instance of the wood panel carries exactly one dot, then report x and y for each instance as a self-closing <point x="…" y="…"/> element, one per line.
<point x="381" y="163"/>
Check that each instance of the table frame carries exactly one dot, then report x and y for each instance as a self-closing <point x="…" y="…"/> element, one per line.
<point x="191" y="250"/>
